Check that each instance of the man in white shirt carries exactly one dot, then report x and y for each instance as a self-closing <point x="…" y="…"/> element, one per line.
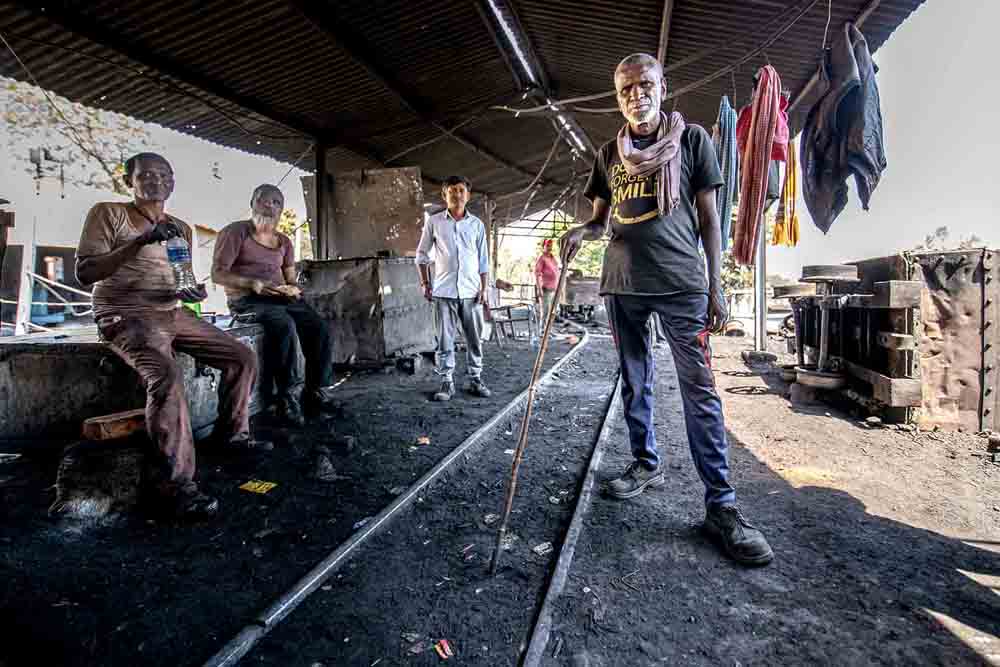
<point x="458" y="288"/>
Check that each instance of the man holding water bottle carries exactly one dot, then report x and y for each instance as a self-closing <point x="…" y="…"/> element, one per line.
<point x="136" y="298"/>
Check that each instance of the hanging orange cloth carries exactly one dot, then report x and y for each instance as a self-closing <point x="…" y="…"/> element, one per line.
<point x="786" y="223"/>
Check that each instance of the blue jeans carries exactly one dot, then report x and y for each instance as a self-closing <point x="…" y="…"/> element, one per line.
<point x="684" y="317"/>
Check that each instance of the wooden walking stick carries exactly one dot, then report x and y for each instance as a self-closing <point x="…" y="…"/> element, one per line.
<point x="523" y="439"/>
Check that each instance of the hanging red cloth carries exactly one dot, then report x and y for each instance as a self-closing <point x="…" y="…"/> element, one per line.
<point x="779" y="150"/>
<point x="755" y="159"/>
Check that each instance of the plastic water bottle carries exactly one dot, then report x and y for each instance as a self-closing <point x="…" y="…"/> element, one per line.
<point x="179" y="256"/>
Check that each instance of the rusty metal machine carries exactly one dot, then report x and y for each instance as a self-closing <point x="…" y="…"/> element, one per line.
<point x="849" y="336"/>
<point x="369" y="290"/>
<point x="915" y="334"/>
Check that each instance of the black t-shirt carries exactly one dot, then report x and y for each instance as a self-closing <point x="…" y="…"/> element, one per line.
<point x="650" y="254"/>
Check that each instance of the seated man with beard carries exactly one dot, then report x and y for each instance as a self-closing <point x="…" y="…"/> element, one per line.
<point x="256" y="265"/>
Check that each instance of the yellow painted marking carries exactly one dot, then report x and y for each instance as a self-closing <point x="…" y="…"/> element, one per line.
<point x="258" y="486"/>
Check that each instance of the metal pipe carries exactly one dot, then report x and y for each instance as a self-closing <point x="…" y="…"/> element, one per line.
<point x="535" y="653"/>
<point x="824" y="337"/>
<point x="800" y="339"/>
<point x="760" y="292"/>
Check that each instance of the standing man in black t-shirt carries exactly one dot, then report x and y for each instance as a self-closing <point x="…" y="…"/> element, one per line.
<point x="656" y="182"/>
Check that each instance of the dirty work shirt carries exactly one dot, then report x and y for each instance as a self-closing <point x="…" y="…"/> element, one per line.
<point x="236" y="251"/>
<point x="143" y="283"/>
<point x="459" y="254"/>
<point x="650" y="254"/>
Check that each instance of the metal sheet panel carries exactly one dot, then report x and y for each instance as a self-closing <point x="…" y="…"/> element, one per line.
<point x="312" y="85"/>
<point x="583" y="292"/>
<point x="991" y="341"/>
<point x="374" y="307"/>
<point x="407" y="317"/>
<point x="951" y="341"/>
<point x="374" y="211"/>
<point x="345" y="294"/>
<point x="377" y="210"/>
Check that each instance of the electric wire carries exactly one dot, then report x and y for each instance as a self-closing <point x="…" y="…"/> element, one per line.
<point x="141" y="74"/>
<point x="801" y="9"/>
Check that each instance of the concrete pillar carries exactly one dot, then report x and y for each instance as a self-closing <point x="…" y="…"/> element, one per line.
<point x="322" y="224"/>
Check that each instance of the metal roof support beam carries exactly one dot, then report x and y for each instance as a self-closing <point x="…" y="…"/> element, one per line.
<point x="542" y="92"/>
<point x="668" y="15"/>
<point x="145" y="55"/>
<point x="321" y="232"/>
<point x="360" y="53"/>
<point x="486" y="15"/>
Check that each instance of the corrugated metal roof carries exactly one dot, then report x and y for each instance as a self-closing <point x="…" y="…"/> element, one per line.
<point x="378" y="79"/>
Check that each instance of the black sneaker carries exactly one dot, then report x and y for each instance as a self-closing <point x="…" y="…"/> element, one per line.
<point x="290" y="412"/>
<point x="246" y="443"/>
<point x="319" y="402"/>
<point x="478" y="388"/>
<point x="445" y="393"/>
<point x="634" y="481"/>
<point x="736" y="536"/>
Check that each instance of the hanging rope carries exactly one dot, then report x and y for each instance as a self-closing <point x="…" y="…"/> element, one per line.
<point x="829" y="15"/>
<point x="801" y="9"/>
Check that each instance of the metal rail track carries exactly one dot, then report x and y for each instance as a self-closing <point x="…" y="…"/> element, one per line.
<point x="265" y="621"/>
<point x="539" y="640"/>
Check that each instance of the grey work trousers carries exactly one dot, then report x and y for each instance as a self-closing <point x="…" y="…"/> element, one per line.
<point x="548" y="298"/>
<point x="450" y="314"/>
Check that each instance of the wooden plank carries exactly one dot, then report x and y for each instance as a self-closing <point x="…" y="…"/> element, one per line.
<point x="894" y="392"/>
<point x="889" y="294"/>
<point x="115" y="425"/>
<point x="895" y="341"/>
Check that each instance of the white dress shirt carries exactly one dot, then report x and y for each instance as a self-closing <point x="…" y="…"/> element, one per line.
<point x="460" y="254"/>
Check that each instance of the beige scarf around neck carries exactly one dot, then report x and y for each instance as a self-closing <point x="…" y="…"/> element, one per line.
<point x="663" y="155"/>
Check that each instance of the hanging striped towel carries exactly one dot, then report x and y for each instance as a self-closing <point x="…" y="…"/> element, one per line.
<point x="754" y="162"/>
<point x="729" y="163"/>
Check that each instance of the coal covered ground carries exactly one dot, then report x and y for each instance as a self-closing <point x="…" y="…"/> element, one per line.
<point x="131" y="591"/>
<point x="849" y="585"/>
<point x="427" y="577"/>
